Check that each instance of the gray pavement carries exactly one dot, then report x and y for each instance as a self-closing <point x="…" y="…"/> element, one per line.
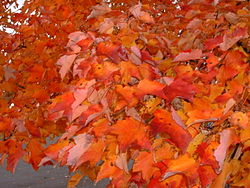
<point x="45" y="177"/>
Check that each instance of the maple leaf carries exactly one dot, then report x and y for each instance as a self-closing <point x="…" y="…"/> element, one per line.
<point x="183" y="164"/>
<point x="109" y="49"/>
<point x="121" y="162"/>
<point x="36" y="73"/>
<point x="109" y="170"/>
<point x="163" y="123"/>
<point x="173" y="75"/>
<point x="32" y="129"/>
<point x="93" y="154"/>
<point x="77" y="36"/>
<point x="240" y="119"/>
<point x="80" y="94"/>
<point x="104" y="71"/>
<point x="82" y="67"/>
<point x="144" y="163"/>
<point x="229" y="39"/>
<point x="148" y="72"/>
<point x="128" y="70"/>
<point x="65" y="62"/>
<point x="228" y="168"/>
<point x="101" y="127"/>
<point x="146" y="86"/>
<point x="185" y="56"/>
<point x="61" y="106"/>
<point x="15" y="153"/>
<point x="9" y="72"/>
<point x="36" y="153"/>
<point x="85" y="43"/>
<point x="206" y="153"/>
<point x="212" y="61"/>
<point x="74" y="180"/>
<point x="53" y="150"/>
<point x="82" y="143"/>
<point x="180" y="88"/>
<point x="207" y="175"/>
<point x="213" y="43"/>
<point x="227" y="137"/>
<point x="6" y="125"/>
<point x="106" y="26"/>
<point x="141" y="15"/>
<point x="99" y="10"/>
<point x="130" y="131"/>
<point x="128" y="93"/>
<point x="233" y="64"/>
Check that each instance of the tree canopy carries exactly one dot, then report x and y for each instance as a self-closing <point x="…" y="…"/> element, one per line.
<point x="149" y="93"/>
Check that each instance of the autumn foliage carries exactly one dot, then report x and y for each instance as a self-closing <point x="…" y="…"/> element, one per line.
<point x="150" y="93"/>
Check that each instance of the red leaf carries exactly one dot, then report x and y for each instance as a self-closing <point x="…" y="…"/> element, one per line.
<point x="61" y="106"/>
<point x="206" y="153"/>
<point x="213" y="43"/>
<point x="186" y="56"/>
<point x="180" y="88"/>
<point x="163" y="123"/>
<point x="207" y="175"/>
<point x="229" y="39"/>
<point x="85" y="43"/>
<point x="104" y="71"/>
<point x="32" y="129"/>
<point x="128" y="70"/>
<point x="109" y="49"/>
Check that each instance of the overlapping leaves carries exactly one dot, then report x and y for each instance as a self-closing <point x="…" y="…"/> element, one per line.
<point x="146" y="94"/>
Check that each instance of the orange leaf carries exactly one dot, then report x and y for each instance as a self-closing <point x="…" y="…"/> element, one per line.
<point x="15" y="153"/>
<point x="144" y="163"/>
<point x="36" y="153"/>
<point x="128" y="93"/>
<point x="150" y="87"/>
<point x="129" y="132"/>
<point x="184" y="164"/>
<point x="240" y="119"/>
<point x="74" y="180"/>
<point x="53" y="150"/>
<point x="93" y="153"/>
<point x="128" y="70"/>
